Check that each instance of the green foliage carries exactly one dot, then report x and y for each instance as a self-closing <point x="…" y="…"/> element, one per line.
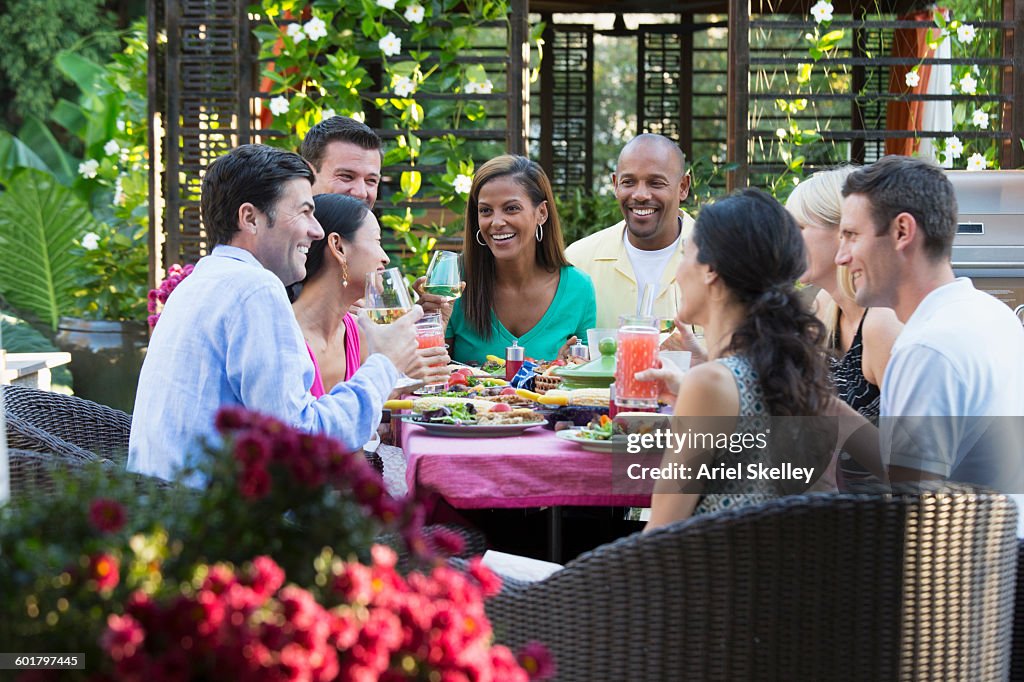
<point x="583" y="214"/>
<point x="104" y="273"/>
<point x="321" y="65"/>
<point x="40" y="221"/>
<point x="32" y="32"/>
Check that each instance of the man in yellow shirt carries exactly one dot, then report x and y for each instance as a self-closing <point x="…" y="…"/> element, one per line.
<point x="650" y="183"/>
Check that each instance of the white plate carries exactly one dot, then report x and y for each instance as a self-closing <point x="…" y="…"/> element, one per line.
<point x="475" y="430"/>
<point x="587" y="443"/>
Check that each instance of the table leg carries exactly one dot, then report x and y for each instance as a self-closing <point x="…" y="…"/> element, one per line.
<point x="555" y="534"/>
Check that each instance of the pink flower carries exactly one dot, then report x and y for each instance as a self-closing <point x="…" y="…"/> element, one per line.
<point x="122" y="637"/>
<point x="383" y="556"/>
<point x="105" y="570"/>
<point x="489" y="581"/>
<point x="107" y="516"/>
<point x="537" y="661"/>
<point x="447" y="542"/>
<point x="264" y="576"/>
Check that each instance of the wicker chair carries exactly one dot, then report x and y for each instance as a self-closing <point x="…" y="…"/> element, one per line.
<point x="43" y="421"/>
<point x="816" y="587"/>
<point x="1017" y="661"/>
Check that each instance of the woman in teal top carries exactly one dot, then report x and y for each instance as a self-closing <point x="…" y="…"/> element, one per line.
<point x="519" y="285"/>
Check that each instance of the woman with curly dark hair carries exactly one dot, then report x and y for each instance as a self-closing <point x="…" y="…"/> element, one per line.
<point x="737" y="280"/>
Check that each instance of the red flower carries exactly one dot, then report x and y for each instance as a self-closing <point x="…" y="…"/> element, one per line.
<point x="446" y="542"/>
<point x="105" y="570"/>
<point x="122" y="637"/>
<point x="252" y="449"/>
<point x="107" y="516"/>
<point x="254" y="483"/>
<point x="537" y="661"/>
<point x="231" y="418"/>
<point x="489" y="581"/>
<point x="264" y="576"/>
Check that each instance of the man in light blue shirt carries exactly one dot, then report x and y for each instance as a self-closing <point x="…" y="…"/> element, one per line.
<point x="227" y="335"/>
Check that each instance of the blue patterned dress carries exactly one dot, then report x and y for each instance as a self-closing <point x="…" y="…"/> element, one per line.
<point x="754" y="419"/>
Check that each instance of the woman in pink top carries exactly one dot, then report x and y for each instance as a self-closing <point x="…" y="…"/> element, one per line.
<point x="336" y="268"/>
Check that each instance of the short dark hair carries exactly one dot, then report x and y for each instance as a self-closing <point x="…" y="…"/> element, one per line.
<point x="337" y="214"/>
<point x="250" y="174"/>
<point x="904" y="184"/>
<point x="337" y="129"/>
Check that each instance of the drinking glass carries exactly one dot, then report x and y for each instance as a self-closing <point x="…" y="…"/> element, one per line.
<point x="387" y="295"/>
<point x="637" y="350"/>
<point x="430" y="334"/>
<point x="443" y="278"/>
<point x="666" y="308"/>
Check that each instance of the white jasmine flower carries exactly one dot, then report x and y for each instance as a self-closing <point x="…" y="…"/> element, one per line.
<point x="463" y="183"/>
<point x="386" y="4"/>
<point x="781" y="133"/>
<point x="414" y="14"/>
<point x="471" y="88"/>
<point x="315" y="28"/>
<point x="913" y="79"/>
<point x="980" y="119"/>
<point x="968" y="85"/>
<point x="822" y="11"/>
<point x="294" y="32"/>
<point x="91" y="241"/>
<point x="358" y="116"/>
<point x="404" y="86"/>
<point x="965" y="33"/>
<point x="954" y="147"/>
<point x="327" y="113"/>
<point x="120" y="124"/>
<point x="88" y="168"/>
<point x="119" y="196"/>
<point x="976" y="162"/>
<point x="390" y="44"/>
<point x="278" y="106"/>
<point x="485" y="88"/>
<point x="111" y="148"/>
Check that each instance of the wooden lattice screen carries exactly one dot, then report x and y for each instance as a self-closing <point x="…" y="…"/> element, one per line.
<point x="767" y="51"/>
<point x="204" y="100"/>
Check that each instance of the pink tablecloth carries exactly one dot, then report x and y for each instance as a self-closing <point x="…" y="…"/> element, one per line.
<point x="536" y="469"/>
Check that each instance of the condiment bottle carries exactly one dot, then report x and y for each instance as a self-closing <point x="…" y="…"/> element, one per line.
<point x="514" y="356"/>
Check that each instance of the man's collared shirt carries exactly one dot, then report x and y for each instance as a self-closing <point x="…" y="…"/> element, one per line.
<point x="603" y="256"/>
<point x="228" y="336"/>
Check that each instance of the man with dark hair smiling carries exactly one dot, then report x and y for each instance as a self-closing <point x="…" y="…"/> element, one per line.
<point x="953" y="391"/>
<point x="227" y="335"/>
<point x="346" y="157"/>
<point x="650" y="183"/>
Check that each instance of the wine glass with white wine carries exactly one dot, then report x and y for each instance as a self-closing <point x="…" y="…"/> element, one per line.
<point x="443" y="278"/>
<point x="387" y="295"/>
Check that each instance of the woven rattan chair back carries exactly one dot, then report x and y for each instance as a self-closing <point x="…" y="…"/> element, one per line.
<point x="43" y="421"/>
<point x="816" y="587"/>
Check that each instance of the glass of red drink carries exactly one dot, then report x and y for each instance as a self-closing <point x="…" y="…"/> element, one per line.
<point x="637" y="350"/>
<point x="430" y="334"/>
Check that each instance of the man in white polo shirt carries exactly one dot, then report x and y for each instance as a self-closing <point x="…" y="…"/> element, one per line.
<point x="650" y="182"/>
<point x="953" y="391"/>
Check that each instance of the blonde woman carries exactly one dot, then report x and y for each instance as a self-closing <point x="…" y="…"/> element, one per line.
<point x="859" y="340"/>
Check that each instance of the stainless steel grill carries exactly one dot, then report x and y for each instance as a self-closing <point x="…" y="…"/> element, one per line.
<point x="989" y="244"/>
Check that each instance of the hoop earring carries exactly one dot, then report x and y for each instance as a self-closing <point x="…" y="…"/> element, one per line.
<point x="540" y="232"/>
<point x="480" y="238"/>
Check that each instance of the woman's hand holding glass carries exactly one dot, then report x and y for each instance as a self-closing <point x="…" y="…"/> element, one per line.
<point x="442" y="284"/>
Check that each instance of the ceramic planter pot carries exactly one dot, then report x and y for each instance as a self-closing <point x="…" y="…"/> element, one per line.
<point x="106" y="357"/>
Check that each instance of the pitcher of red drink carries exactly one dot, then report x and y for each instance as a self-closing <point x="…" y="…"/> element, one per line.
<point x="637" y="350"/>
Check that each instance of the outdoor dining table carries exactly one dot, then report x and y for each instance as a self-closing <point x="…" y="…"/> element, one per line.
<point x="534" y="469"/>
